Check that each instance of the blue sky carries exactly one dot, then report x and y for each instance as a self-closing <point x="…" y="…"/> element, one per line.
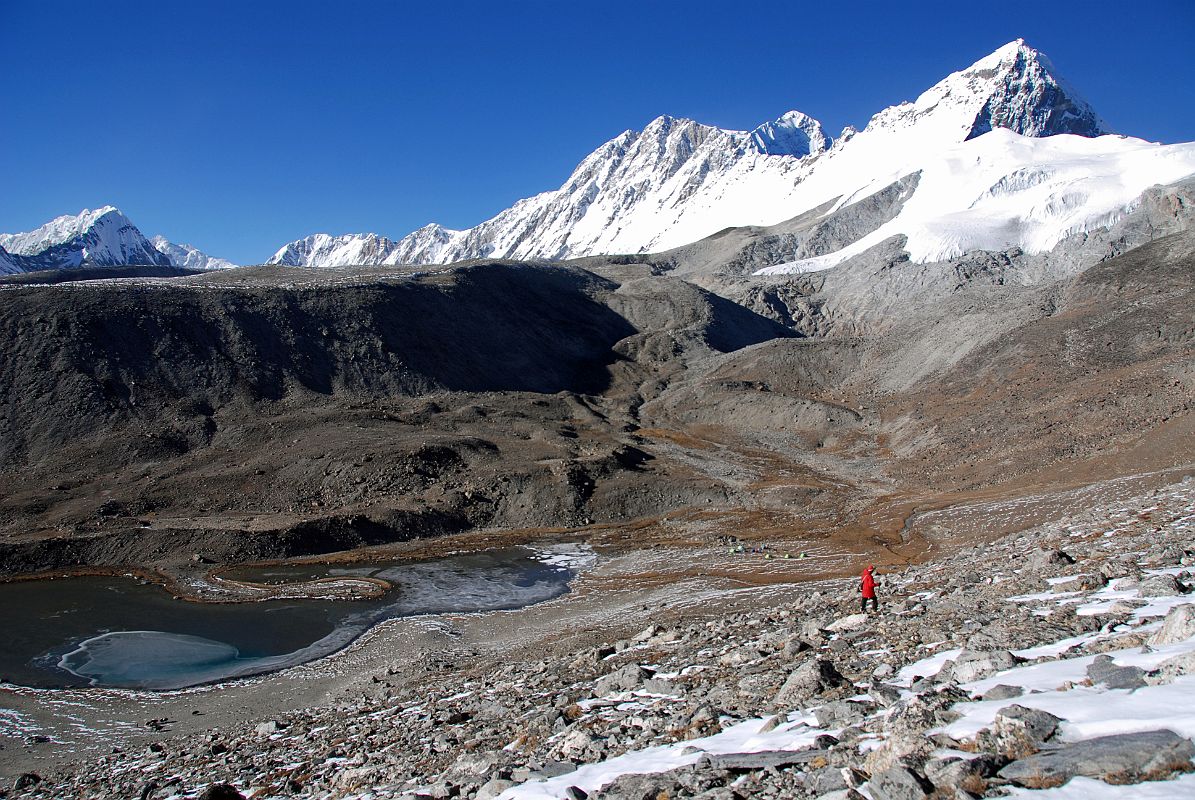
<point x="240" y="126"/>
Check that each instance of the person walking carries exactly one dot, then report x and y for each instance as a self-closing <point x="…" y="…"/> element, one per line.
<point x="868" y="587"/>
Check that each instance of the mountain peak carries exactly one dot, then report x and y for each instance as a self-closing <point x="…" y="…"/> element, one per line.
<point x="188" y="256"/>
<point x="61" y="229"/>
<point x="99" y="237"/>
<point x="1015" y="87"/>
<point x="1025" y="94"/>
<point x="792" y="134"/>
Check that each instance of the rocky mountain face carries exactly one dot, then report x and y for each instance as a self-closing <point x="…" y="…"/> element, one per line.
<point x="101" y="238"/>
<point x="678" y="181"/>
<point x="8" y="263"/>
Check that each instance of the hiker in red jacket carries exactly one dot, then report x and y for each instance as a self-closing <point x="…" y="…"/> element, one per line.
<point x="868" y="587"/>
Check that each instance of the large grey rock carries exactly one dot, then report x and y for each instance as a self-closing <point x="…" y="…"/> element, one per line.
<point x="1081" y="583"/>
<point x="906" y="725"/>
<point x="806" y="682"/>
<point x="811" y="630"/>
<point x="826" y="779"/>
<point x="625" y="679"/>
<point x="1040" y="560"/>
<point x="1171" y="668"/>
<point x="850" y="623"/>
<point x="492" y="788"/>
<point x="1103" y="670"/>
<point x="1123" y="758"/>
<point x="883" y="694"/>
<point x="1161" y="586"/>
<point x="898" y="783"/>
<point x="1003" y="691"/>
<point x="967" y="774"/>
<point x="1178" y="626"/>
<point x="842" y="713"/>
<point x="1018" y="731"/>
<point x="475" y="763"/>
<point x="971" y="665"/>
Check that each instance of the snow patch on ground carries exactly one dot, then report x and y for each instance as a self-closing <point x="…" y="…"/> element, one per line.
<point x="796" y="734"/>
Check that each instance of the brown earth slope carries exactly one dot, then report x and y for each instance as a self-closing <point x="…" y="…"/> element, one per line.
<point x="274" y="412"/>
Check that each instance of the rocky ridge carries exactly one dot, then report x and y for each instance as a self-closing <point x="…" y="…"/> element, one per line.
<point x="1015" y="665"/>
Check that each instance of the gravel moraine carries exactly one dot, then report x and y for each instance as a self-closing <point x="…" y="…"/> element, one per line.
<point x="1061" y="653"/>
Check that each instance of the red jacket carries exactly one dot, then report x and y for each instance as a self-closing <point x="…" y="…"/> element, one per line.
<point x="869" y="584"/>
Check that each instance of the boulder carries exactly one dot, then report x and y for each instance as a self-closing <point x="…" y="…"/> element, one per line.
<point x="574" y="743"/>
<point x="1171" y="668"/>
<point x="899" y="783"/>
<point x="973" y="665"/>
<point x="807" y="681"/>
<point x="1081" y="583"/>
<point x="621" y="680"/>
<point x="794" y="647"/>
<point x="1003" y="691"/>
<point x="1122" y="758"/>
<point x="267" y="728"/>
<point x="475" y="763"/>
<point x="883" y="694"/>
<point x="1178" y="626"/>
<point x="842" y="713"/>
<point x="850" y="623"/>
<point x="221" y="791"/>
<point x="1160" y="586"/>
<point x="832" y="779"/>
<point x="492" y="788"/>
<point x="811" y="630"/>
<point x="1018" y="731"/>
<point x="1103" y="670"/>
<point x="966" y="774"/>
<point x="1044" y="559"/>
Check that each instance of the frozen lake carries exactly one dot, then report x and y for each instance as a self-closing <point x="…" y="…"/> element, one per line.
<point x="118" y="632"/>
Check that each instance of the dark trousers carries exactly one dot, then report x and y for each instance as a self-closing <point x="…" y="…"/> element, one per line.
<point x="875" y="604"/>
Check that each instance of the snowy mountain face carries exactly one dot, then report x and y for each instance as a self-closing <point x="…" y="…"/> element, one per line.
<point x="101" y="238"/>
<point x="104" y="237"/>
<point x="328" y="250"/>
<point x="188" y="257"/>
<point x="8" y="264"/>
<point x="678" y="181"/>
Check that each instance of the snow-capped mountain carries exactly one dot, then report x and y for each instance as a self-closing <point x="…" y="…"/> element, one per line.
<point x="678" y="181"/>
<point x="103" y="237"/>
<point x="100" y="238"/>
<point x="328" y="250"/>
<point x="188" y="257"/>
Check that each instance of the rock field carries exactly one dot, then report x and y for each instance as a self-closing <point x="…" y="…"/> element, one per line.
<point x="1060" y="656"/>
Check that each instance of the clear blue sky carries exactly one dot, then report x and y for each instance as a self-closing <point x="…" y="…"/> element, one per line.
<point x="240" y="126"/>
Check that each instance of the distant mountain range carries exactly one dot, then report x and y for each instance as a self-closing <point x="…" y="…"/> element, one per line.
<point x="1003" y="154"/>
<point x="100" y="238"/>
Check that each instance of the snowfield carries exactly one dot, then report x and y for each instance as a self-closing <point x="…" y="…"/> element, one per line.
<point x="1003" y="190"/>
